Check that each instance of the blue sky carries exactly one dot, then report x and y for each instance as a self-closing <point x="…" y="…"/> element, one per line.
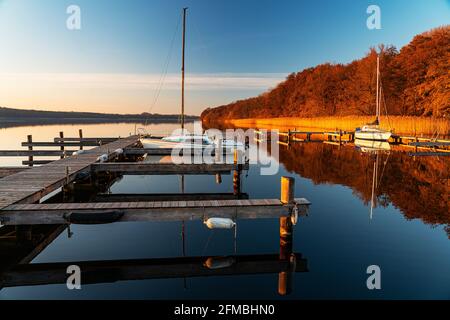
<point x="235" y="48"/>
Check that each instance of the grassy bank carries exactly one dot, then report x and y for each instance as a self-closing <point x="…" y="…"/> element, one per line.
<point x="400" y="125"/>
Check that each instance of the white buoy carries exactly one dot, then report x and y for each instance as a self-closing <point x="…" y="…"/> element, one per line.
<point x="219" y="223"/>
<point x="119" y="151"/>
<point x="219" y="262"/>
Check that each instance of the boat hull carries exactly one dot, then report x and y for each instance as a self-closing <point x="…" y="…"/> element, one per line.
<point x="373" y="135"/>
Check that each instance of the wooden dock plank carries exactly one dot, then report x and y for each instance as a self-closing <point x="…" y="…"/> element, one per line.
<point x="56" y="213"/>
<point x="132" y="168"/>
<point x="32" y="184"/>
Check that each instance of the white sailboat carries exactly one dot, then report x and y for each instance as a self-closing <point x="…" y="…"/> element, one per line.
<point x="186" y="140"/>
<point x="373" y="131"/>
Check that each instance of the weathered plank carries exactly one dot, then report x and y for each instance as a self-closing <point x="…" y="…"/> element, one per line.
<point x="57" y="213"/>
<point x="36" y="162"/>
<point x="31" y="185"/>
<point x="78" y="139"/>
<point x="36" y="153"/>
<point x="167" y="197"/>
<point x="7" y="171"/>
<point x="164" y="168"/>
<point x="60" y="144"/>
<point x="168" y="151"/>
<point x="429" y="154"/>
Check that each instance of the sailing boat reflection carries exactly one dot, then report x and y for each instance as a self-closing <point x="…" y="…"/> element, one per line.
<point x="376" y="178"/>
<point x="372" y="145"/>
<point x="19" y="246"/>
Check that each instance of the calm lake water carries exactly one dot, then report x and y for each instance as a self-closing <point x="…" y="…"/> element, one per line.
<point x="407" y="237"/>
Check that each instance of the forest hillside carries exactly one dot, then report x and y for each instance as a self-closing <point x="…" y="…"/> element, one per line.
<point x="415" y="82"/>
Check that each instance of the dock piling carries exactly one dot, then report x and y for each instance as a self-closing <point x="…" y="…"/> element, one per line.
<point x="61" y="135"/>
<point x="237" y="173"/>
<point x="80" y="133"/>
<point x="287" y="196"/>
<point x="30" y="148"/>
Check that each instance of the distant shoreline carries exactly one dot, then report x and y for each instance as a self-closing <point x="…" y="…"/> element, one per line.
<point x="14" y="122"/>
<point x="10" y="117"/>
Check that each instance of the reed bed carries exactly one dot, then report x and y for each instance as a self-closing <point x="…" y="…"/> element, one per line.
<point x="417" y="126"/>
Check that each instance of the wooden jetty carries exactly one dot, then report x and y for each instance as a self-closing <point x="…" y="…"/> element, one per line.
<point x="60" y="213"/>
<point x="165" y="168"/>
<point x="340" y="137"/>
<point x="144" y="197"/>
<point x="29" y="202"/>
<point x="23" y="191"/>
<point x="33" y="184"/>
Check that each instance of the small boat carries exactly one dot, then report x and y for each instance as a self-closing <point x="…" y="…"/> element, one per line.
<point x="372" y="131"/>
<point x="182" y="140"/>
<point x="178" y="141"/>
<point x="185" y="140"/>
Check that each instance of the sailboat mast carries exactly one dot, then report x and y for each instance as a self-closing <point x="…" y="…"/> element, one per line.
<point x="182" y="69"/>
<point x="378" y="88"/>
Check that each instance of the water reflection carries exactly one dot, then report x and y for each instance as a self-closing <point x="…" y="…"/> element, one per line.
<point x="19" y="245"/>
<point x="418" y="186"/>
<point x="335" y="231"/>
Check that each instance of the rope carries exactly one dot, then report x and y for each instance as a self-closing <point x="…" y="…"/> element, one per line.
<point x="384" y="104"/>
<point x="163" y="76"/>
<point x="207" y="242"/>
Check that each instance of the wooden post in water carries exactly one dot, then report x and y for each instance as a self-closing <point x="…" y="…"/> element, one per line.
<point x="61" y="135"/>
<point x="80" y="133"/>
<point x="30" y="148"/>
<point x="287" y="196"/>
<point x="289" y="137"/>
<point x="237" y="173"/>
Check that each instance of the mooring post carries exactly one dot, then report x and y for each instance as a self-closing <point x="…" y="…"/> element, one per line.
<point x="61" y="135"/>
<point x="340" y="136"/>
<point x="287" y="197"/>
<point x="289" y="136"/>
<point x="30" y="148"/>
<point x="80" y="133"/>
<point x="237" y="173"/>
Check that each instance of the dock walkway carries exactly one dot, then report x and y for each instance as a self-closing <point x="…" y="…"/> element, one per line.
<point x="31" y="185"/>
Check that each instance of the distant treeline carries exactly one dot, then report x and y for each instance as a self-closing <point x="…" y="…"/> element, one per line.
<point x="415" y="82"/>
<point x="10" y="116"/>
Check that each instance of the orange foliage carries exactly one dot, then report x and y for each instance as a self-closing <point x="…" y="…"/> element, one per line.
<point x="415" y="82"/>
